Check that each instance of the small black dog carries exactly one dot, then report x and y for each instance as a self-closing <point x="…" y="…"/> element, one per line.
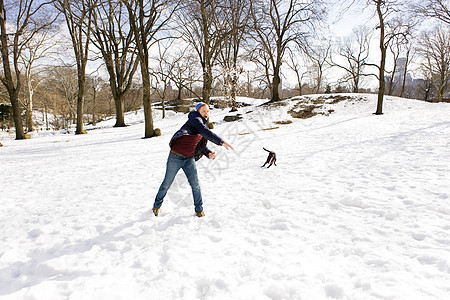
<point x="271" y="159"/>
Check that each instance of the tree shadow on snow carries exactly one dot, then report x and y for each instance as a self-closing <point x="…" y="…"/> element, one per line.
<point x="21" y="275"/>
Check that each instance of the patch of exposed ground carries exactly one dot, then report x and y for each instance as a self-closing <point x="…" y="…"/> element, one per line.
<point x="307" y="107"/>
<point x="185" y="106"/>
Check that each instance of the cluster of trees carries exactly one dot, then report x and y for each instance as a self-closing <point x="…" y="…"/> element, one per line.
<point x="168" y="49"/>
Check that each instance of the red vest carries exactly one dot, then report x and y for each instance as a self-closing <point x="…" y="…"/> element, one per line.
<point x="186" y="144"/>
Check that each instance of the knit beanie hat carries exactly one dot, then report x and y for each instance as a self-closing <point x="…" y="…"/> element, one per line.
<point x="200" y="104"/>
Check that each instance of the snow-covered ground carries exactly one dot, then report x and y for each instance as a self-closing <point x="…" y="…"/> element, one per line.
<point x="357" y="208"/>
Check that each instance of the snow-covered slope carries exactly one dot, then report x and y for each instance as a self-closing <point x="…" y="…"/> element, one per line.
<point x="356" y="208"/>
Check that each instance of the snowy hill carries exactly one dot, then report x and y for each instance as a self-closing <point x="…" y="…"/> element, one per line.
<point x="357" y="208"/>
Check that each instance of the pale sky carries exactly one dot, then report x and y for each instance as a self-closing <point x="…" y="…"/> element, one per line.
<point x="342" y="19"/>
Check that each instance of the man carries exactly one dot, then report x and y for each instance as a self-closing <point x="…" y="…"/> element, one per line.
<point x="187" y="146"/>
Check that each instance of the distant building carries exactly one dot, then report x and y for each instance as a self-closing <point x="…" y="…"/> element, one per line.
<point x="169" y="88"/>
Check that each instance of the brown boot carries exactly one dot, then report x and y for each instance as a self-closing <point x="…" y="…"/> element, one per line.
<point x="200" y="214"/>
<point x="155" y="211"/>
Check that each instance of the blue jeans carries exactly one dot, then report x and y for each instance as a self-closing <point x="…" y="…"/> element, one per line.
<point x="176" y="162"/>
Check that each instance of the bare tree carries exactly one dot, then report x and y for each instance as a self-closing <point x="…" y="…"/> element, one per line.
<point x="36" y="50"/>
<point x="185" y="74"/>
<point x="439" y="9"/>
<point x="203" y="25"/>
<point x="424" y="87"/>
<point x="112" y="36"/>
<point x="147" y="19"/>
<point x="134" y="97"/>
<point x="396" y="50"/>
<point x="64" y="80"/>
<point x="391" y="26"/>
<point x="28" y="18"/>
<point x="162" y="75"/>
<point x="277" y="25"/>
<point x="319" y="57"/>
<point x="231" y="50"/>
<point x="296" y="62"/>
<point x="402" y="55"/>
<point x="409" y="56"/>
<point x="78" y="16"/>
<point x="260" y="57"/>
<point x="353" y="53"/>
<point x="435" y="49"/>
<point x="57" y="95"/>
<point x="94" y="84"/>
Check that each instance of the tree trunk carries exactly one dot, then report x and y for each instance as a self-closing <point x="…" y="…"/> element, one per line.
<point x="276" y="85"/>
<point x="207" y="85"/>
<point x="120" y="110"/>
<point x="233" y="92"/>
<point x="29" y="116"/>
<point x="356" y="79"/>
<point x="147" y="101"/>
<point x="13" y="91"/>
<point x="440" y="94"/>
<point x="119" y="101"/>
<point x="29" y="111"/>
<point x="80" y="102"/>
<point x="319" y="78"/>
<point x="382" y="82"/>
<point x="355" y="87"/>
<point x="299" y="80"/>
<point x="427" y="94"/>
<point x="94" y="98"/>
<point x="17" y="115"/>
<point x="46" y="115"/>
<point x="163" y="102"/>
<point x="442" y="88"/>
<point x="249" y="86"/>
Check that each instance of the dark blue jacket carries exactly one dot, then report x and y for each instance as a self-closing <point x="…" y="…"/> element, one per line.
<point x="196" y="124"/>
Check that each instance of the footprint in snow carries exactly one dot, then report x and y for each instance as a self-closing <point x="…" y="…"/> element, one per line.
<point x="427" y="260"/>
<point x="215" y="238"/>
<point x="418" y="236"/>
<point x="333" y="291"/>
<point x="376" y="263"/>
<point x="265" y="242"/>
<point x="35" y="233"/>
<point x="279" y="226"/>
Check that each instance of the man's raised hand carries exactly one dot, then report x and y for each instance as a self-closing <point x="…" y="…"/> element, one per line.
<point x="227" y="146"/>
